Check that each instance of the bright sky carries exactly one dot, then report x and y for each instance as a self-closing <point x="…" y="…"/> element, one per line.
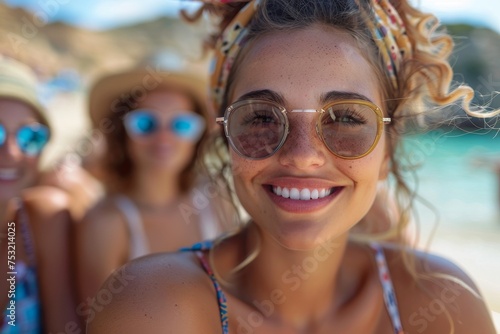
<point x="102" y="14"/>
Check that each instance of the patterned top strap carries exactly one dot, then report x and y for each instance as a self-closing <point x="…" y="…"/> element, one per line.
<point x="26" y="235"/>
<point x="199" y="249"/>
<point x="27" y="297"/>
<point x="385" y="280"/>
<point x="389" y="295"/>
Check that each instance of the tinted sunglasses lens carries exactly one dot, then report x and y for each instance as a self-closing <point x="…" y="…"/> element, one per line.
<point x="189" y="127"/>
<point x="3" y="135"/>
<point x="256" y="129"/>
<point x="32" y="139"/>
<point x="140" y="123"/>
<point x="349" y="129"/>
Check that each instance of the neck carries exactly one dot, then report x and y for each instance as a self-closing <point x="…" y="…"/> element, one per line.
<point x="290" y="279"/>
<point x="155" y="189"/>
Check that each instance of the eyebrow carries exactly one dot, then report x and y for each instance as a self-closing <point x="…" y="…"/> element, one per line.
<point x="334" y="95"/>
<point x="263" y="94"/>
<point x="331" y="96"/>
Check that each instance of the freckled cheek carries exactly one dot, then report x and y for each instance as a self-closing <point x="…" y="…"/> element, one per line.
<point x="364" y="170"/>
<point x="243" y="187"/>
<point x="244" y="172"/>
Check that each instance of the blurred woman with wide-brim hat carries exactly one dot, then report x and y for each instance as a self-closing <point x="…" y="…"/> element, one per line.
<point x="34" y="220"/>
<point x="153" y="118"/>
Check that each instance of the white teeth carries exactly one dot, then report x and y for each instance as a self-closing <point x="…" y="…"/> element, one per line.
<point x="8" y="174"/>
<point x="315" y="194"/>
<point x="278" y="191"/>
<point x="294" y="193"/>
<point x="305" y="194"/>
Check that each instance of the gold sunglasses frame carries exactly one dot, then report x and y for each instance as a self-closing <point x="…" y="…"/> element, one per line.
<point x="381" y="120"/>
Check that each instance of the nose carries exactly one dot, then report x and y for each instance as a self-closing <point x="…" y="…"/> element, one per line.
<point x="303" y="149"/>
<point x="164" y="134"/>
<point x="10" y="149"/>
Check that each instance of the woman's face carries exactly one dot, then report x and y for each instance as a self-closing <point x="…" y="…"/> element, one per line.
<point x="17" y="170"/>
<point x="302" y="68"/>
<point x="163" y="150"/>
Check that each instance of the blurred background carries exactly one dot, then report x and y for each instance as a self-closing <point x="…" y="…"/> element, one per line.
<point x="71" y="42"/>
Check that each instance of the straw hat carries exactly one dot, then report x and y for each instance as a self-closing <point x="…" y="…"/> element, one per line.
<point x="163" y="72"/>
<point x="19" y="82"/>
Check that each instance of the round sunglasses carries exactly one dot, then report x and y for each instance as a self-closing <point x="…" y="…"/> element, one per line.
<point x="30" y="138"/>
<point x="256" y="129"/>
<point x="143" y="123"/>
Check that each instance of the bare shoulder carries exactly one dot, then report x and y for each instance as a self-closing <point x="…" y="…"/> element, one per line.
<point x="105" y="206"/>
<point x="443" y="297"/>
<point x="160" y="293"/>
<point x="48" y="208"/>
<point x="45" y="200"/>
<point x="102" y="216"/>
<point x="102" y="229"/>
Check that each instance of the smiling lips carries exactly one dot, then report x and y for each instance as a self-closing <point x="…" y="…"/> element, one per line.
<point x="304" y="194"/>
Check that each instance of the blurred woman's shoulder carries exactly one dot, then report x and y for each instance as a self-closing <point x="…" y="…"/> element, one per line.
<point x="104" y="207"/>
<point x="45" y="199"/>
<point x="47" y="208"/>
<point x="103" y="219"/>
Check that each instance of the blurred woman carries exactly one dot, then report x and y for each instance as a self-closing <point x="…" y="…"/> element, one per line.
<point x="153" y="122"/>
<point x="35" y="222"/>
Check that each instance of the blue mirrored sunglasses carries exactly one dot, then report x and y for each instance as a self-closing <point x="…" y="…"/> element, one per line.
<point x="142" y="123"/>
<point x="31" y="138"/>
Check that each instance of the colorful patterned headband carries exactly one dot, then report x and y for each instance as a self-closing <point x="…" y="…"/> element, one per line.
<point x="227" y="48"/>
<point x="388" y="31"/>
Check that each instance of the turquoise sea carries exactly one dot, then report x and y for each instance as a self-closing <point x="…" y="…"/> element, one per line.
<point x="458" y="178"/>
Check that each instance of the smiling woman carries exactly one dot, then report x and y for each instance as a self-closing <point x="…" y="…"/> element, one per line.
<point x="313" y="98"/>
<point x="34" y="221"/>
<point x="306" y="161"/>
